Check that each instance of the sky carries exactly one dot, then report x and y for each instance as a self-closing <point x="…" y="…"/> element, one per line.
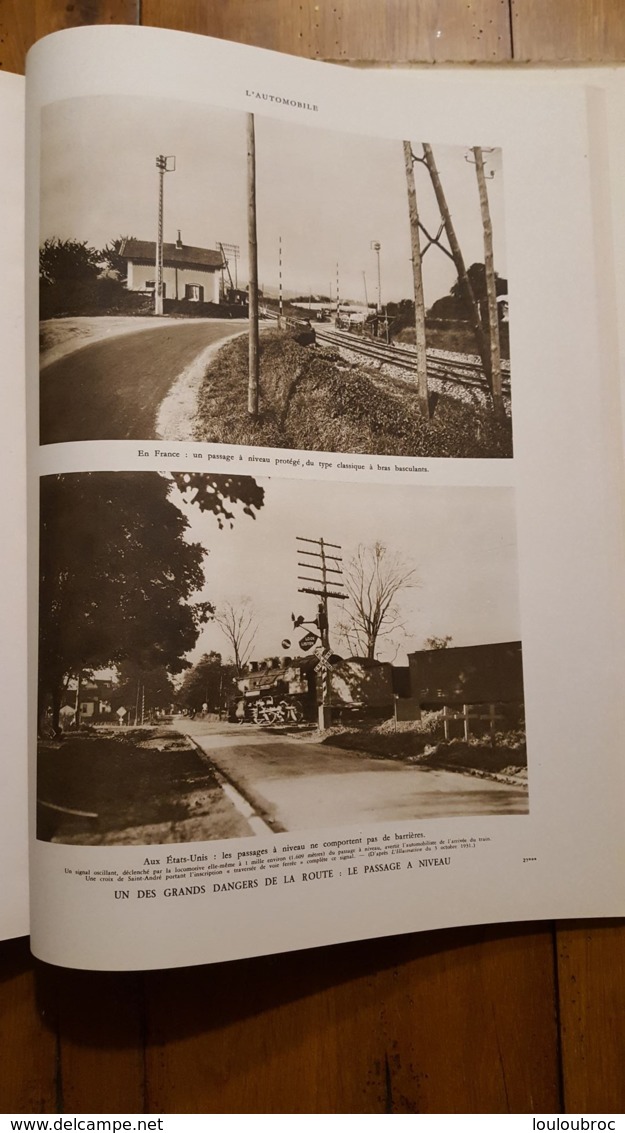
<point x="460" y="541"/>
<point x="327" y="194"/>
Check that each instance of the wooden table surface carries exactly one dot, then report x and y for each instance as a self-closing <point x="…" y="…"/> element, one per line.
<point x="516" y="1018"/>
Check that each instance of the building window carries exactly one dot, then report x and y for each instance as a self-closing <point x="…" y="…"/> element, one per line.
<point x="194" y="292"/>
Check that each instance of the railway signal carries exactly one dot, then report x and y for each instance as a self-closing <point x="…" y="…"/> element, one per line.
<point x="307" y="641"/>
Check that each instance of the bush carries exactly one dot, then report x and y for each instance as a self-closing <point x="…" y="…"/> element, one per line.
<point x="311" y="398"/>
<point x="104" y="296"/>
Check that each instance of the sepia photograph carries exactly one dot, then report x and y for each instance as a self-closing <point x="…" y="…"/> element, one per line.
<point x="221" y="657"/>
<point x="233" y="278"/>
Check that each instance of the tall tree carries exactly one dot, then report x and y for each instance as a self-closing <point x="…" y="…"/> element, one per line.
<point x="142" y="689"/>
<point x="221" y="495"/>
<point x="118" y="574"/>
<point x="209" y="682"/>
<point x="68" y="261"/>
<point x="110" y="258"/>
<point x="239" y="625"/>
<point x="374" y="578"/>
<point x="435" y="642"/>
<point x="477" y="279"/>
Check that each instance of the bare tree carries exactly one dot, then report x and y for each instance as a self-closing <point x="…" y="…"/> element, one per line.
<point x="374" y="578"/>
<point x="239" y="625"/>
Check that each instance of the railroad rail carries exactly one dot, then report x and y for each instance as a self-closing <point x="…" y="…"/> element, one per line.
<point x="462" y="370"/>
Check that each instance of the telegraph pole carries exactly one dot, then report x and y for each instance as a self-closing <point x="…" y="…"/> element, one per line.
<point x="463" y="278"/>
<point x="254" y="360"/>
<point x="279" y="282"/>
<point x="227" y="251"/>
<point x="491" y="288"/>
<point x="417" y="278"/>
<point x="164" y="164"/>
<point x="377" y="247"/>
<point x="324" y="588"/>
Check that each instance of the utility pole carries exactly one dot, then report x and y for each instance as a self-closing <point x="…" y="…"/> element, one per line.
<point x="78" y="694"/>
<point x="227" y="251"/>
<point x="463" y="278"/>
<point x="377" y="247"/>
<point x="321" y="588"/>
<point x="491" y="288"/>
<point x="254" y="360"/>
<point x="279" y="282"/>
<point x="164" y="164"/>
<point x="338" y="296"/>
<point x="417" y="278"/>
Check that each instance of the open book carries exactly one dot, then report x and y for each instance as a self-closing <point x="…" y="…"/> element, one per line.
<point x="324" y="473"/>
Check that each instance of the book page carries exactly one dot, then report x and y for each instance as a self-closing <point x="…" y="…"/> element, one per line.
<point x="13" y="808"/>
<point x="331" y="616"/>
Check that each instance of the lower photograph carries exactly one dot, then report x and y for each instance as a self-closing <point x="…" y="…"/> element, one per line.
<point x="224" y="657"/>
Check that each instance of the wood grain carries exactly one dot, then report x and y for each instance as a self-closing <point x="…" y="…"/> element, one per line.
<point x="364" y="30"/>
<point x="451" y="1021"/>
<point x="28" y="1067"/>
<point x="466" y="1020"/>
<point x="560" y="31"/>
<point x="22" y="23"/>
<point x="591" y="965"/>
<point x="98" y="1020"/>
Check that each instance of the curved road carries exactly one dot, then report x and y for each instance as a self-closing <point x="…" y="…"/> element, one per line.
<point x="112" y="389"/>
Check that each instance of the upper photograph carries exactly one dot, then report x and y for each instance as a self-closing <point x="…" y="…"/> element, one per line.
<point x="210" y="275"/>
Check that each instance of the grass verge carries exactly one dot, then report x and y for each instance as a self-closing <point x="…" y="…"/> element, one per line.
<point x="311" y="398"/>
<point x="136" y="786"/>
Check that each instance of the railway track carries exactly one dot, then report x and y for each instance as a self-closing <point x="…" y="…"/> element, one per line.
<point x="460" y="370"/>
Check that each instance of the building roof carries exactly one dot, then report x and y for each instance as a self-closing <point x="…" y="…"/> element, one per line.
<point x="458" y="650"/>
<point x="174" y="255"/>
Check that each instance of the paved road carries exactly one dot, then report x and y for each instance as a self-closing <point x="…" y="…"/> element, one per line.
<point x="295" y="786"/>
<point x="112" y="389"/>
